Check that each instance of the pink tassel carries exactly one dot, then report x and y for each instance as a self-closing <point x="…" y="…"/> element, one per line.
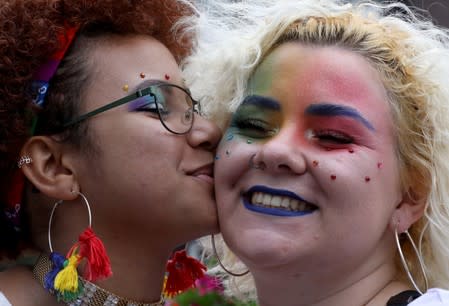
<point x="92" y="248"/>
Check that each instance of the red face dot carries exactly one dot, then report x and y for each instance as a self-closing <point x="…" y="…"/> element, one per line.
<point x="315" y="163"/>
<point x="333" y="177"/>
<point x="351" y="150"/>
<point x="379" y="165"/>
<point x="367" y="179"/>
<point x="167" y="77"/>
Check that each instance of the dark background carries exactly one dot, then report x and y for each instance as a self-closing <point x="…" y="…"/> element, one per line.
<point x="438" y="9"/>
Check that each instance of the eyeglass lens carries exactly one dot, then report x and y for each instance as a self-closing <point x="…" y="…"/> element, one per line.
<point x="175" y="108"/>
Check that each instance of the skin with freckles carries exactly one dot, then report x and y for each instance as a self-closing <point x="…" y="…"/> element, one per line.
<point x="322" y="130"/>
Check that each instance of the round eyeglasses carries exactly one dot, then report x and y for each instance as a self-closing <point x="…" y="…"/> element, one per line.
<point x="173" y="104"/>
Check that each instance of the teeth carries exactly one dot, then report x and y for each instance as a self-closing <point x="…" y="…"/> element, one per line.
<point x="267" y="199"/>
<point x="263" y="199"/>
<point x="285" y="202"/>
<point x="276" y="201"/>
<point x="294" y="204"/>
<point x="259" y="198"/>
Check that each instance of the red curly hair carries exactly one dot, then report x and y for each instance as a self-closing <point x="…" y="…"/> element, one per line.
<point x="29" y="35"/>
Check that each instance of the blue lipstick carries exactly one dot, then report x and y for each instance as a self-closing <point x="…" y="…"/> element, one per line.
<point x="270" y="210"/>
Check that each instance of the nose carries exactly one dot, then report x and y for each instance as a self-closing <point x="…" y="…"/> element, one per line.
<point x="281" y="154"/>
<point x="204" y="134"/>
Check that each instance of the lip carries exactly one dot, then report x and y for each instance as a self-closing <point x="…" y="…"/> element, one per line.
<point x="270" y="210"/>
<point x="204" y="173"/>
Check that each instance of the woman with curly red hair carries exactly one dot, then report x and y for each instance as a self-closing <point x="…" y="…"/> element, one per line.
<point x="98" y="136"/>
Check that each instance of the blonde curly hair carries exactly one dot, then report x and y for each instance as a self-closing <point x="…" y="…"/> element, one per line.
<point x="410" y="54"/>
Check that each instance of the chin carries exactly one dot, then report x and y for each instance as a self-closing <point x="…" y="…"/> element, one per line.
<point x="259" y="248"/>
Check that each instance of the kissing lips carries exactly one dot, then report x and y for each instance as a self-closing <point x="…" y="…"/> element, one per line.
<point x="204" y="173"/>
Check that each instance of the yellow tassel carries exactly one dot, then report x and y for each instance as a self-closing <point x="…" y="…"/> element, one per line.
<point x="67" y="278"/>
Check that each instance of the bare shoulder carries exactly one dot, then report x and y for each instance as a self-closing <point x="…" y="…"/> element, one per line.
<point x="21" y="289"/>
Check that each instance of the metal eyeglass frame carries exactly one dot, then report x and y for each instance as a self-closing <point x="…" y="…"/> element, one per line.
<point x="196" y="107"/>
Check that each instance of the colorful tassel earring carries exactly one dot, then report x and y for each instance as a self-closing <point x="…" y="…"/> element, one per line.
<point x="182" y="271"/>
<point x="63" y="279"/>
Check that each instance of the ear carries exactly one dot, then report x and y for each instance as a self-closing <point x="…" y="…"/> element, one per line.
<point x="51" y="170"/>
<point x="407" y="212"/>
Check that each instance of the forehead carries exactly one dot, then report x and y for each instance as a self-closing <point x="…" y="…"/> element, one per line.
<point x="130" y="61"/>
<point x="297" y="73"/>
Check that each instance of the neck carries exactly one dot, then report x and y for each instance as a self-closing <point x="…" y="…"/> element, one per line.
<point x="318" y="288"/>
<point x="138" y="265"/>
<point x="138" y="274"/>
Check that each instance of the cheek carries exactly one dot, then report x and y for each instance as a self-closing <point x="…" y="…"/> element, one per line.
<point x="231" y="160"/>
<point x="362" y="173"/>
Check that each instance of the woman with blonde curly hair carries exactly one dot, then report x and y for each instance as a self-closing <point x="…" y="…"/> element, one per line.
<point x="105" y="164"/>
<point x="332" y="178"/>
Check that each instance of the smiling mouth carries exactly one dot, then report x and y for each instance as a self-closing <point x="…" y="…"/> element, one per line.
<point x="262" y="199"/>
<point x="276" y="202"/>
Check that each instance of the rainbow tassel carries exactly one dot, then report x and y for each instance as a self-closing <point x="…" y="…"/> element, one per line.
<point x="98" y="265"/>
<point x="183" y="271"/>
<point x="66" y="281"/>
<point x="57" y="265"/>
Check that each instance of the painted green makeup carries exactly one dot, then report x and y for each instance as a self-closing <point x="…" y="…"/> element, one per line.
<point x="257" y="118"/>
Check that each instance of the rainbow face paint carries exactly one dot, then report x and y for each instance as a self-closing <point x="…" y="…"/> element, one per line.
<point x="257" y="118"/>
<point x="145" y="103"/>
<point x="320" y="127"/>
<point x="335" y="110"/>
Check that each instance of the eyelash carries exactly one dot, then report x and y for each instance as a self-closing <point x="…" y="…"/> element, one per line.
<point x="254" y="127"/>
<point x="150" y="107"/>
<point x="332" y="137"/>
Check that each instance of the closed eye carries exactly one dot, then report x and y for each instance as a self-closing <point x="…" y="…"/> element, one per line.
<point x="332" y="137"/>
<point x="148" y="104"/>
<point x="254" y="127"/>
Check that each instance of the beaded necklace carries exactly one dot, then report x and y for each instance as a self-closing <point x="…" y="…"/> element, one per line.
<point x="92" y="295"/>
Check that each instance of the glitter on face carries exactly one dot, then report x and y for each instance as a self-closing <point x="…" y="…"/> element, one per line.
<point x="379" y="165"/>
<point x="315" y="163"/>
<point x="167" y="77"/>
<point x="217" y="157"/>
<point x="142" y="75"/>
<point x="367" y="179"/>
<point x="229" y="137"/>
<point x="333" y="177"/>
<point x="125" y="88"/>
<point x="228" y="152"/>
<point x="249" y="141"/>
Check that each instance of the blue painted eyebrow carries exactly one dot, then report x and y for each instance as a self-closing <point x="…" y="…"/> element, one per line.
<point x="329" y="109"/>
<point x="261" y="101"/>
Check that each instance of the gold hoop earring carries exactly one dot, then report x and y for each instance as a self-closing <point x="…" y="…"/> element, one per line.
<point x="404" y="263"/>
<point x="212" y="237"/>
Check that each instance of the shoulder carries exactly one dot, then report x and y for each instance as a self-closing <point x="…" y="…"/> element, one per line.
<point x="3" y="300"/>
<point x="433" y="297"/>
<point x="13" y="283"/>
